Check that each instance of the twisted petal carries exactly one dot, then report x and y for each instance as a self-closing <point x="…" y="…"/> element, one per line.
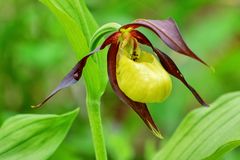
<point x="139" y="108"/>
<point x="172" y="68"/>
<point x="71" y="78"/>
<point x="168" y="31"/>
<point x="75" y="74"/>
<point x="168" y="64"/>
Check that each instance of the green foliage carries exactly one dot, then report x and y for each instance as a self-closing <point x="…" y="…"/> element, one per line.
<point x="79" y="25"/>
<point x="35" y="56"/>
<point x="102" y="31"/>
<point x="206" y="133"/>
<point x="32" y="136"/>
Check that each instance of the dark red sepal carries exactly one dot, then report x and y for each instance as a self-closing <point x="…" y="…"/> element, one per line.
<point x="168" y="31"/>
<point x="139" y="108"/>
<point x="167" y="63"/>
<point x="172" y="68"/>
<point x="75" y="74"/>
<point x="113" y="38"/>
<point x="71" y="78"/>
<point x="141" y="38"/>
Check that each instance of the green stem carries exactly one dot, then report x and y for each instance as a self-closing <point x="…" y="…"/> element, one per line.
<point x="94" y="115"/>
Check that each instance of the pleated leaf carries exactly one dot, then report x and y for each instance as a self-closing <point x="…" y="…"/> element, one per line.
<point x="206" y="133"/>
<point x="33" y="136"/>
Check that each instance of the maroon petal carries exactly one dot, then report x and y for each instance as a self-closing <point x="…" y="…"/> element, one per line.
<point x="113" y="38"/>
<point x="75" y="74"/>
<point x="139" y="108"/>
<point x="72" y="77"/>
<point x="168" y="31"/>
<point x="167" y="63"/>
<point x="171" y="68"/>
<point x="141" y="38"/>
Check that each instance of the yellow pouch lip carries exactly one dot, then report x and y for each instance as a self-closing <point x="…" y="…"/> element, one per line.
<point x="143" y="80"/>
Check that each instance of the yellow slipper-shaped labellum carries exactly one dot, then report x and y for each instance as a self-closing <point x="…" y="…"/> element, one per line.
<point x="143" y="80"/>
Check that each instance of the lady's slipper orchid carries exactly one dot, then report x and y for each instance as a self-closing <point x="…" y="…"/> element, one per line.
<point x="135" y="75"/>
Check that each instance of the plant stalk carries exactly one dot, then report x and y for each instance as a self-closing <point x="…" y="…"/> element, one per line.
<point x="94" y="115"/>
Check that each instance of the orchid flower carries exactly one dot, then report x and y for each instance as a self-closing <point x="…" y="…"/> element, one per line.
<point x="137" y="76"/>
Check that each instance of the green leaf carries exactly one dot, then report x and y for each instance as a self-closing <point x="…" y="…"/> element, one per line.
<point x="206" y="133"/>
<point x="33" y="136"/>
<point x="80" y="26"/>
<point x="72" y="28"/>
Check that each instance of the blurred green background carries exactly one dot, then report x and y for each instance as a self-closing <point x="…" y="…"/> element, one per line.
<point x="35" y="55"/>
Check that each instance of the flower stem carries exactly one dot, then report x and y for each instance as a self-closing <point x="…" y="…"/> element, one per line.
<point x="93" y="108"/>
